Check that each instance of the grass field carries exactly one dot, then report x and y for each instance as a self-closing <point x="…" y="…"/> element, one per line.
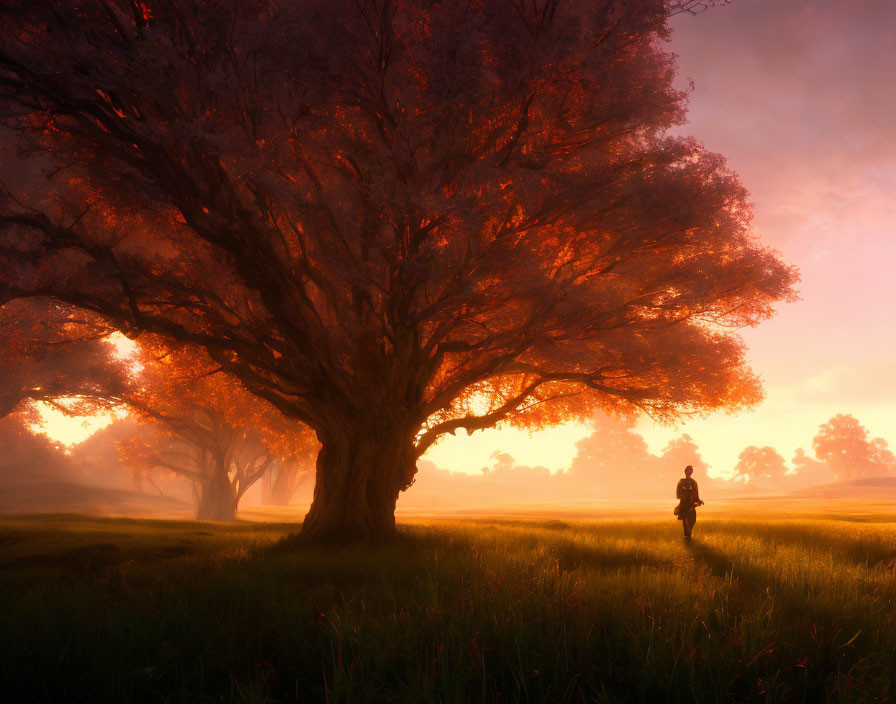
<point x="764" y="609"/>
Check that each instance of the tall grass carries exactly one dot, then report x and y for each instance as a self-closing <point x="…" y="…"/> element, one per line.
<point x="770" y="611"/>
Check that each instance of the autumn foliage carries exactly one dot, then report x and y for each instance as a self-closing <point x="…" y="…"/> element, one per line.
<point x="760" y="464"/>
<point x="55" y="353"/>
<point x="391" y="220"/>
<point x="201" y="425"/>
<point x="843" y="444"/>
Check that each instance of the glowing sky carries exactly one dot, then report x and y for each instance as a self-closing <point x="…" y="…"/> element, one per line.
<point x="799" y="95"/>
<point x="70" y="430"/>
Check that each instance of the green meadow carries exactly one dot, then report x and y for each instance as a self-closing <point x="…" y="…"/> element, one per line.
<point x="754" y="609"/>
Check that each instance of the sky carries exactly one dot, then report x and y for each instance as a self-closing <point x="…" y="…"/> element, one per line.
<point x="798" y="95"/>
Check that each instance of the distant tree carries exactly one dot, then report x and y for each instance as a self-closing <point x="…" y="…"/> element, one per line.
<point x="881" y="458"/>
<point x="760" y="465"/>
<point x="503" y="467"/>
<point x="27" y="457"/>
<point x="203" y="426"/>
<point x="391" y="220"/>
<point x="843" y="444"/>
<point x="50" y="352"/>
<point x="285" y="476"/>
<point x="501" y="483"/>
<point x="221" y="462"/>
<point x="614" y="458"/>
<point x="99" y="461"/>
<point x="810" y="471"/>
<point x="678" y="454"/>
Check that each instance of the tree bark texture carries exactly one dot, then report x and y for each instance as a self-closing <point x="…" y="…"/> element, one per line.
<point x="359" y="476"/>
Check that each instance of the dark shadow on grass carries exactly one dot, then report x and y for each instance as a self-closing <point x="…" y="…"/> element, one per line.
<point x="95" y="557"/>
<point x="405" y="541"/>
<point x="85" y="557"/>
<point x="719" y="564"/>
<point x="179" y="525"/>
<point x="748" y="578"/>
<point x="574" y="556"/>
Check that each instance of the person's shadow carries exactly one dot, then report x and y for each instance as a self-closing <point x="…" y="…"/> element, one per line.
<point x="719" y="564"/>
<point x="749" y="578"/>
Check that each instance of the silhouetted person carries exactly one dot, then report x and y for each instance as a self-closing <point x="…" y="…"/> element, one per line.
<point x="688" y="500"/>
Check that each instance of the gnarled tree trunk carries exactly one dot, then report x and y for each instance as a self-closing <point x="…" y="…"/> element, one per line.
<point x="216" y="499"/>
<point x="360" y="473"/>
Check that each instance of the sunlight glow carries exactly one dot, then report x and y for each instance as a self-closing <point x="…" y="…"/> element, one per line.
<point x="124" y="347"/>
<point x="70" y="430"/>
<point x="553" y="448"/>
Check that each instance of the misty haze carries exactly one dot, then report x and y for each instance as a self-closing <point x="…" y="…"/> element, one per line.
<point x="490" y="351"/>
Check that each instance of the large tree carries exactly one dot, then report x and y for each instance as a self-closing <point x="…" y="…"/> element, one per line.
<point x="391" y="220"/>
